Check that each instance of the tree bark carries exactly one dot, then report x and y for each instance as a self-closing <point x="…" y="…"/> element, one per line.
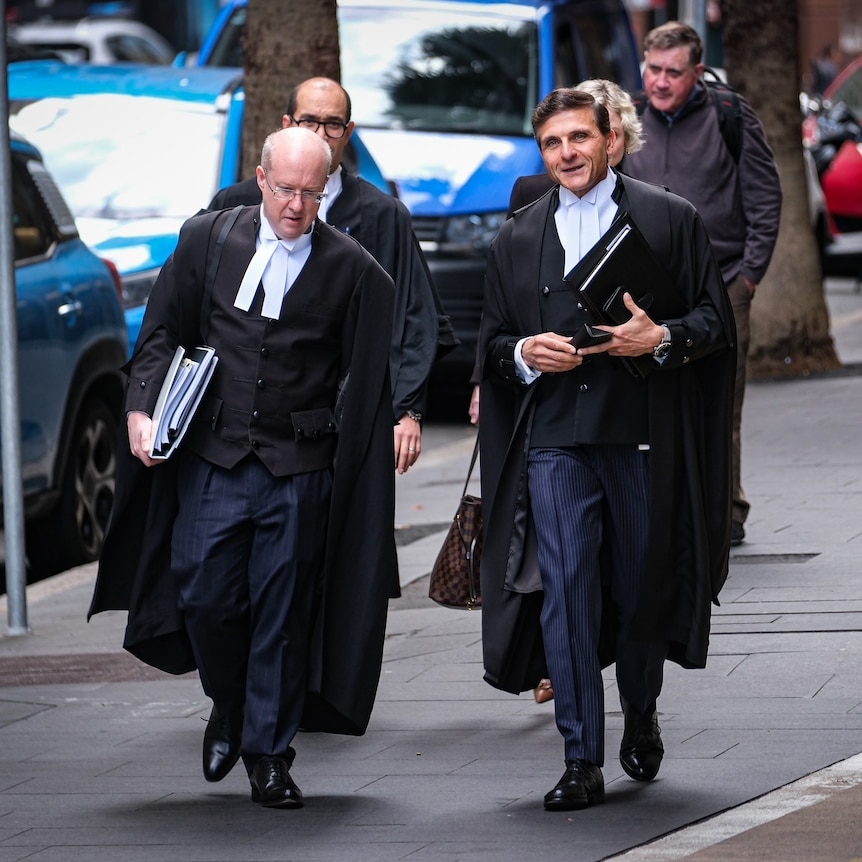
<point x="789" y="319"/>
<point x="286" y="41"/>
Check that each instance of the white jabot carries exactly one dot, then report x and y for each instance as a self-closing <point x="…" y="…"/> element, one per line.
<point x="276" y="263"/>
<point x="582" y="221"/>
<point x="334" y="185"/>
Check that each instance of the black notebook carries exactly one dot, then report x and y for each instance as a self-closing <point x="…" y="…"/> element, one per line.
<point x="622" y="261"/>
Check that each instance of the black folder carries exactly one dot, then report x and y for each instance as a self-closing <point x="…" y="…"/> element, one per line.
<point x="622" y="261"/>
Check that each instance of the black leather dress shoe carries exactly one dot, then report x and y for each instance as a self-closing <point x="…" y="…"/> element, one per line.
<point x="221" y="744"/>
<point x="272" y="786"/>
<point x="581" y="785"/>
<point x="641" y="750"/>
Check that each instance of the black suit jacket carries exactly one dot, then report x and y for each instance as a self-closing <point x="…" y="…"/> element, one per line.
<point x="421" y="330"/>
<point x="689" y="405"/>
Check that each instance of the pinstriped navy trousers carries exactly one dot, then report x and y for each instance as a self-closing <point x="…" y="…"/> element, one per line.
<point x="246" y="549"/>
<point x="590" y="509"/>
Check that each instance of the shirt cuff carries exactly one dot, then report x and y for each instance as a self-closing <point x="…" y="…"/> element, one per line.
<point x="527" y="374"/>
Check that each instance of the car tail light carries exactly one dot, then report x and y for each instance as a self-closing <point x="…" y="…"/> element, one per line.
<point x="115" y="276"/>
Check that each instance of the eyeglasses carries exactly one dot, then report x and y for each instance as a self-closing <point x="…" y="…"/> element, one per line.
<point x="282" y="193"/>
<point x="333" y="128"/>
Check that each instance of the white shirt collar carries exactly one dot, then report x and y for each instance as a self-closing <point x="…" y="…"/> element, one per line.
<point x="599" y="194"/>
<point x="267" y="233"/>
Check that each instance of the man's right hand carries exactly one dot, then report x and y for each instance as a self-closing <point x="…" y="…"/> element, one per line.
<point x="549" y="352"/>
<point x="140" y="428"/>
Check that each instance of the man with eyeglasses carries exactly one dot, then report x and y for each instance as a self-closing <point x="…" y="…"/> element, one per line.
<point x="421" y="332"/>
<point x="247" y="554"/>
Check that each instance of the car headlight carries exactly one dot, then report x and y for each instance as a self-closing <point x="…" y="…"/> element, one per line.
<point x="471" y="233"/>
<point x="137" y="287"/>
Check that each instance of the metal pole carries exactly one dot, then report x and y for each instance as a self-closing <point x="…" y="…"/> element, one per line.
<point x="10" y="419"/>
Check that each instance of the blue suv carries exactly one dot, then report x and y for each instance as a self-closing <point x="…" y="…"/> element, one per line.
<point x="72" y="341"/>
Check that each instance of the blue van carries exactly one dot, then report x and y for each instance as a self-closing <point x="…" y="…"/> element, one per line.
<point x="442" y="92"/>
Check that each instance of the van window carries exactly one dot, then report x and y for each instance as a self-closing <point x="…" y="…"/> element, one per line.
<point x="440" y="70"/>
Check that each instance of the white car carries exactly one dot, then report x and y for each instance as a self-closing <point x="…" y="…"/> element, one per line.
<point x="97" y="40"/>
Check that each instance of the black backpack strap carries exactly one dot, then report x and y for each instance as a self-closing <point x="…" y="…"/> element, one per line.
<point x="213" y="267"/>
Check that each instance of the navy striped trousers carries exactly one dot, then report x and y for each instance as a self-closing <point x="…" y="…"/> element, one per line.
<point x="247" y="548"/>
<point x="590" y="507"/>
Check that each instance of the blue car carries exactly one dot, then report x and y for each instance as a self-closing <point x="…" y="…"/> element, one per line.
<point x="136" y="151"/>
<point x="71" y="342"/>
<point x="442" y="94"/>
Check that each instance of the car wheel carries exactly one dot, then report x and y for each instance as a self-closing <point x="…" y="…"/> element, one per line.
<point x="74" y="532"/>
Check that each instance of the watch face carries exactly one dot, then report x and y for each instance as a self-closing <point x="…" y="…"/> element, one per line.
<point x="661" y="350"/>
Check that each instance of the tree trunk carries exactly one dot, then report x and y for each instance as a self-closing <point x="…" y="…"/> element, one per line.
<point x="286" y="41"/>
<point x="789" y="318"/>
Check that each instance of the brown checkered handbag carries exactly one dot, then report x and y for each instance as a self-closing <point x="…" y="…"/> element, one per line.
<point x="455" y="576"/>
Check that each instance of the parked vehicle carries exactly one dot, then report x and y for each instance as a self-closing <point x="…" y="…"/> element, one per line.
<point x="97" y="40"/>
<point x="832" y="131"/>
<point x="444" y="102"/>
<point x="71" y="342"/>
<point x="137" y="150"/>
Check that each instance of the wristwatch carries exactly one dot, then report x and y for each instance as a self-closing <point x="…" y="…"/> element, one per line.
<point x="663" y="347"/>
<point x="415" y="415"/>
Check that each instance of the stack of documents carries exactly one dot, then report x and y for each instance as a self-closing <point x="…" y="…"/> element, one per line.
<point x="181" y="393"/>
<point x="623" y="262"/>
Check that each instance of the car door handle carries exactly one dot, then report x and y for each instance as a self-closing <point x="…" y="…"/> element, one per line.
<point x="75" y="306"/>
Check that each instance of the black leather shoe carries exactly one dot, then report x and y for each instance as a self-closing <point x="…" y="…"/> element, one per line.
<point x="641" y="750"/>
<point x="221" y="744"/>
<point x="737" y="533"/>
<point x="581" y="785"/>
<point x="272" y="786"/>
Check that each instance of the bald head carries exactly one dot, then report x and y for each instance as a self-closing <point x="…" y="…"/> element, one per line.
<point x="323" y="106"/>
<point x="294" y="167"/>
<point x="296" y="144"/>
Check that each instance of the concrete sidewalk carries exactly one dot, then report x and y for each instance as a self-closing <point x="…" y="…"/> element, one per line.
<point x="100" y="755"/>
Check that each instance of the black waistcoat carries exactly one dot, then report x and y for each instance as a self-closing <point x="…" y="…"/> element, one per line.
<point x="599" y="402"/>
<point x="275" y="386"/>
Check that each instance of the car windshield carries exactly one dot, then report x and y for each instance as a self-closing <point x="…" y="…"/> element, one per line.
<point x="453" y="68"/>
<point x="124" y="157"/>
<point x="439" y="70"/>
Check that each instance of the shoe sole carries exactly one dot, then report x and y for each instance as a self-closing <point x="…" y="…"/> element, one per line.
<point x="275" y="803"/>
<point x="560" y="805"/>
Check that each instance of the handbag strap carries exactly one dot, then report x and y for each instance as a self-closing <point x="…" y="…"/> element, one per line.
<point x="472" y="465"/>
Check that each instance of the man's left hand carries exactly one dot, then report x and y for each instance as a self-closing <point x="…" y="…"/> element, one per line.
<point x="635" y="337"/>
<point x="408" y="443"/>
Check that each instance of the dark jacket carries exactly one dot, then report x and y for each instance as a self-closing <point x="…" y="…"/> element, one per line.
<point x="360" y="569"/>
<point x="689" y="400"/>
<point x="421" y="331"/>
<point x="740" y="204"/>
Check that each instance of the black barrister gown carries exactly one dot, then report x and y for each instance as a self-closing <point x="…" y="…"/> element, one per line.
<point x="360" y="571"/>
<point x="421" y="331"/>
<point x="690" y="444"/>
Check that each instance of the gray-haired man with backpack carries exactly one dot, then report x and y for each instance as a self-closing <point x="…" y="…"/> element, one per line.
<point x="706" y="144"/>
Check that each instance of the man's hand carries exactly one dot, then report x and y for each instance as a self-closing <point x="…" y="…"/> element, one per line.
<point x="140" y="428"/>
<point x="550" y="353"/>
<point x="635" y="337"/>
<point x="408" y="443"/>
<point x="474" y="406"/>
